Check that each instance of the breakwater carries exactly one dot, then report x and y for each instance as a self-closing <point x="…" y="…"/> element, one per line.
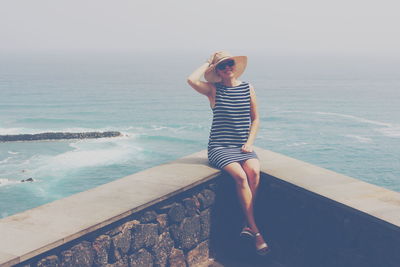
<point x="57" y="136"/>
<point x="184" y="212"/>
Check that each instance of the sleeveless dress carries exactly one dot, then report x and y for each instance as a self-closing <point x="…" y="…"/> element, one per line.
<point x="230" y="126"/>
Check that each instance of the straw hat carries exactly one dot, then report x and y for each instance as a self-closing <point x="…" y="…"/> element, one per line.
<point x="211" y="73"/>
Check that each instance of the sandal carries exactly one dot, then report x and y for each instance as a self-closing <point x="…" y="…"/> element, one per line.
<point x="246" y="232"/>
<point x="263" y="248"/>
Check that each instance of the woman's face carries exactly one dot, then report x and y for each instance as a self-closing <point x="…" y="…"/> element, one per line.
<point x="226" y="68"/>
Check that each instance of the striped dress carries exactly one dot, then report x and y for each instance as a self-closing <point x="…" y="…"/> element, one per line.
<point x="231" y="125"/>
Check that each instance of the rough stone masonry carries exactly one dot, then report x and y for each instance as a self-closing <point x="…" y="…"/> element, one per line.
<point x="173" y="233"/>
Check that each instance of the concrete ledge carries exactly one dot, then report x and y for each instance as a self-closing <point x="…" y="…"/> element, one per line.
<point x="379" y="202"/>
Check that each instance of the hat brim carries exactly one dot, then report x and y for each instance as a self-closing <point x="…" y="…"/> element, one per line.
<point x="240" y="65"/>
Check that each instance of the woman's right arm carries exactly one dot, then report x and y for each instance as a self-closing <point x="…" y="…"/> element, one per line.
<point x="194" y="81"/>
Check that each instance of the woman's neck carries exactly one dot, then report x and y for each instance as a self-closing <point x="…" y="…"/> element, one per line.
<point x="230" y="82"/>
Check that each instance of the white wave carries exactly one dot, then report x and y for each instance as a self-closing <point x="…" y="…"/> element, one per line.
<point x="78" y="159"/>
<point x="5" y="160"/>
<point x="297" y="144"/>
<point x="359" y="119"/>
<point x="11" y="131"/>
<point x="111" y="141"/>
<point x="82" y="130"/>
<point x="90" y="154"/>
<point x="158" y="128"/>
<point x="390" y="132"/>
<point x="6" y="181"/>
<point x="361" y="139"/>
<point x="13" y="153"/>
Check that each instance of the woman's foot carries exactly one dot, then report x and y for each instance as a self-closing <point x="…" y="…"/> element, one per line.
<point x="262" y="247"/>
<point x="246" y="232"/>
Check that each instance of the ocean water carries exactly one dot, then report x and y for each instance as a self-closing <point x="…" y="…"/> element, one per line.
<point x="344" y="117"/>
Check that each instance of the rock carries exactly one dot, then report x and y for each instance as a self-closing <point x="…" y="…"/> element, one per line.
<point x="206" y="198"/>
<point x="148" y="216"/>
<point x="66" y="259"/>
<point x="190" y="206"/>
<point x="50" y="261"/>
<point x="144" y="235"/>
<point x="198" y="255"/>
<point x="175" y="232"/>
<point x="205" y="224"/>
<point x="126" y="226"/>
<point x="177" y="258"/>
<point x="82" y="255"/>
<point x="57" y="136"/>
<point x="101" y="246"/>
<point x="187" y="234"/>
<point x="176" y="213"/>
<point x="162" y="222"/>
<point x="162" y="249"/>
<point x="165" y="208"/>
<point x="142" y="258"/>
<point x="197" y="202"/>
<point x="124" y="262"/>
<point x="213" y="186"/>
<point x="27" y="180"/>
<point x="121" y="243"/>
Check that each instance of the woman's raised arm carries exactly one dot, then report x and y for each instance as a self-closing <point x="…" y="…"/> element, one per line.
<point x="194" y="81"/>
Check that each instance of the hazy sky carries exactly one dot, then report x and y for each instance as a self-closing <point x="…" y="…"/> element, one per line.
<point x="282" y="27"/>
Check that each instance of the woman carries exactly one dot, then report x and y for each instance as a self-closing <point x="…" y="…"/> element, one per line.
<point x="234" y="128"/>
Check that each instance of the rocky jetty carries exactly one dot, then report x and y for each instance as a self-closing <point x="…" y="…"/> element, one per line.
<point x="57" y="136"/>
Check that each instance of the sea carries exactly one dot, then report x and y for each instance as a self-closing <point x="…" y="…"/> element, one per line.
<point x="341" y="114"/>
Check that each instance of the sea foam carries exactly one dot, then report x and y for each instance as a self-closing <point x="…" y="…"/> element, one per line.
<point x="91" y="153"/>
<point x="389" y="129"/>
<point x="360" y="139"/>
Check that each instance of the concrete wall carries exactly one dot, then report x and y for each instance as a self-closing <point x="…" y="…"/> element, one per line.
<point x="180" y="213"/>
<point x="311" y="217"/>
<point x="303" y="229"/>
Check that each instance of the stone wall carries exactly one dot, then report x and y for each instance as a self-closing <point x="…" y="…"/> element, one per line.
<point x="172" y="233"/>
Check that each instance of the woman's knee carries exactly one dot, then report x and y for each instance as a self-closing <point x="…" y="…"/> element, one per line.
<point x="240" y="178"/>
<point x="253" y="173"/>
<point x="252" y="169"/>
<point x="237" y="172"/>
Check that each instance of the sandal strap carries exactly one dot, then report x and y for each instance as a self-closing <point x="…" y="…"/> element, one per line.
<point x="247" y="231"/>
<point x="262" y="246"/>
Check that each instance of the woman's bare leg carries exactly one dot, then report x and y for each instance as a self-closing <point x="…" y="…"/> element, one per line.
<point x="243" y="190"/>
<point x="252" y="169"/>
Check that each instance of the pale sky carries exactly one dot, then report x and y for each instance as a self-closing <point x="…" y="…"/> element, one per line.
<point x="281" y="27"/>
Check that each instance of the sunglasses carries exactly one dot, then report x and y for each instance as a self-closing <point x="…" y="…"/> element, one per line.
<point x="222" y="65"/>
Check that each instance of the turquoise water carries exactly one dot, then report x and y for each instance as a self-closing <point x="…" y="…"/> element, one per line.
<point x="347" y="121"/>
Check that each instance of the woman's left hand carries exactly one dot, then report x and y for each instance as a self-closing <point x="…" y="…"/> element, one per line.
<point x="247" y="148"/>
